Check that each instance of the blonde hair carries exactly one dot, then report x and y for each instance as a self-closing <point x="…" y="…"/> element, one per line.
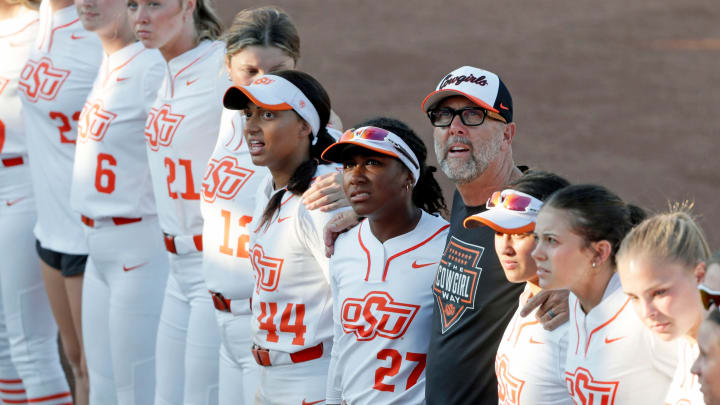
<point x="33" y="4"/>
<point x="263" y="26"/>
<point x="673" y="236"/>
<point x="207" y="23"/>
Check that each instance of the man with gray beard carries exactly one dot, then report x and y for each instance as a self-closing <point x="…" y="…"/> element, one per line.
<point x="472" y="112"/>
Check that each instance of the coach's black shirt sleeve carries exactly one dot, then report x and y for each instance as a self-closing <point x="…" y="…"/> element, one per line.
<point x="473" y="304"/>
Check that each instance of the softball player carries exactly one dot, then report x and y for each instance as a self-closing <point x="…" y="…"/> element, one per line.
<point x="228" y="198"/>
<point x="661" y="263"/>
<point x="611" y="357"/>
<point x="229" y="187"/>
<point x="30" y="368"/>
<point x="286" y="115"/>
<point x="530" y="359"/>
<point x="54" y="85"/>
<point x="112" y="192"/>
<point x="381" y="315"/>
<point x="181" y="131"/>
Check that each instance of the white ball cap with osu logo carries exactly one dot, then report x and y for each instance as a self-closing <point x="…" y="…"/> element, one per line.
<point x="276" y="94"/>
<point x="482" y="87"/>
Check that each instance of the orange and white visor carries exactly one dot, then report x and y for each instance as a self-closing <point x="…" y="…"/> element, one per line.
<point x="508" y="211"/>
<point x="276" y="94"/>
<point x="377" y="140"/>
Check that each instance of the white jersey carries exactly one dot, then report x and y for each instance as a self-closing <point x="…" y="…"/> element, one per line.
<point x="181" y="131"/>
<point x="382" y="312"/>
<point x="16" y="39"/>
<point x="228" y="202"/>
<point x="54" y="85"/>
<point x="291" y="302"/>
<point x="111" y="177"/>
<point x="612" y="358"/>
<point x="530" y="361"/>
<point x="685" y="388"/>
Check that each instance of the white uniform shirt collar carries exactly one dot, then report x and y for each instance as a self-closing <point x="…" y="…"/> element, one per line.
<point x="183" y="60"/>
<point x="121" y="56"/>
<point x="378" y="252"/>
<point x="64" y="15"/>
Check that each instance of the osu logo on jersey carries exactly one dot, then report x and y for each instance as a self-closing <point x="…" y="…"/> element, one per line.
<point x="94" y="121"/>
<point x="161" y="126"/>
<point x="509" y="386"/>
<point x="267" y="269"/>
<point x="39" y="79"/>
<point x="224" y="178"/>
<point x="376" y="315"/>
<point x="456" y="280"/>
<point x="585" y="390"/>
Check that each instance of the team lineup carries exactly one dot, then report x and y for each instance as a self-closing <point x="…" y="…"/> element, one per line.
<point x="185" y="212"/>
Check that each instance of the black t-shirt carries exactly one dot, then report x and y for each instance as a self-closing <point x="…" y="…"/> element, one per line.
<point x="474" y="302"/>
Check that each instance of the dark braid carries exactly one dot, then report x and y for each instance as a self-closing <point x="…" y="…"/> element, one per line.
<point x="302" y="176"/>
<point x="427" y="193"/>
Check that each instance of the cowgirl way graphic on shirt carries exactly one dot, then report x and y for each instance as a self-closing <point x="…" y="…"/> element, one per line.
<point x="456" y="280"/>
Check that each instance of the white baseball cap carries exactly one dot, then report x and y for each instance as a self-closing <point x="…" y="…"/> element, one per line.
<point x="482" y="87"/>
<point x="273" y="93"/>
<point x="508" y="211"/>
<point x="377" y="140"/>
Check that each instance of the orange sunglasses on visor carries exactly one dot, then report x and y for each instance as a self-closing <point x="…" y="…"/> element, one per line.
<point x="378" y="135"/>
<point x="514" y="201"/>
<point x="708" y="296"/>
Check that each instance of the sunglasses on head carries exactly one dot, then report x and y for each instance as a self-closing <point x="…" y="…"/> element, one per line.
<point x="378" y="135"/>
<point x="511" y="201"/>
<point x="709" y="297"/>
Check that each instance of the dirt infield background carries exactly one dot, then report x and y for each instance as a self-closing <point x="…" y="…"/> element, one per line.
<point x="621" y="93"/>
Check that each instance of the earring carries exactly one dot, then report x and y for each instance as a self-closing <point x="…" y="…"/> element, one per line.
<point x="594" y="264"/>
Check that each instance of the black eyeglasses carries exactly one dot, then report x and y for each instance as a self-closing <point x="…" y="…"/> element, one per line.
<point x="470" y="116"/>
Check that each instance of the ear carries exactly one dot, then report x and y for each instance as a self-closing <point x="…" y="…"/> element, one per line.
<point x="699" y="272"/>
<point x="601" y="252"/>
<point x="190" y="7"/>
<point x="305" y="128"/>
<point x="509" y="133"/>
<point x="228" y="63"/>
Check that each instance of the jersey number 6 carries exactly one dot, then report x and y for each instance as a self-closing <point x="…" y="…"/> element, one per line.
<point x="101" y="172"/>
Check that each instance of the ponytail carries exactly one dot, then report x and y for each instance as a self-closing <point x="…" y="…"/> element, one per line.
<point x="427" y="193"/>
<point x="302" y="176"/>
<point x="674" y="236"/>
<point x="207" y="23"/>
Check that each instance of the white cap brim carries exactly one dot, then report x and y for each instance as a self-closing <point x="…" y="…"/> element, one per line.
<point x="503" y="220"/>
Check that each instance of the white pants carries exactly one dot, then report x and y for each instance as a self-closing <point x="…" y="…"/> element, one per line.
<point x="301" y="383"/>
<point x="31" y="333"/>
<point x="239" y="373"/>
<point x="122" y="295"/>
<point x="188" y="343"/>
